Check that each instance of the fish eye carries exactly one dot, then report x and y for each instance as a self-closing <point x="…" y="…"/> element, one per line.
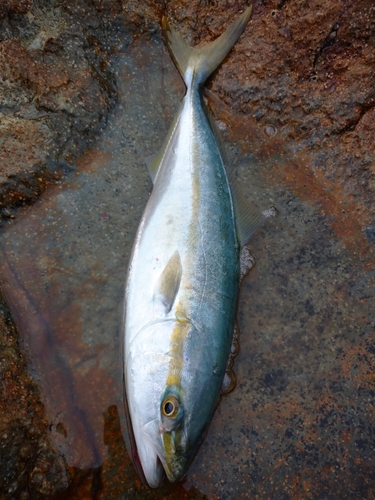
<point x="170" y="407"/>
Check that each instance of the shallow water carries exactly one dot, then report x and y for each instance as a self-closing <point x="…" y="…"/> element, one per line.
<point x="301" y="418"/>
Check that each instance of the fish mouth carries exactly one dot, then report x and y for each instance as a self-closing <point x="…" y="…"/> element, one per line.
<point x="157" y="467"/>
<point x="156" y="463"/>
<point x="156" y="479"/>
<point x="146" y="459"/>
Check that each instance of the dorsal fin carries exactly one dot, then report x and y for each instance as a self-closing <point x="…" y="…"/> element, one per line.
<point x="169" y="282"/>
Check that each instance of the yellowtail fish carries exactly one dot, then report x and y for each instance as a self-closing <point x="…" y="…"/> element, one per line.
<point x="183" y="278"/>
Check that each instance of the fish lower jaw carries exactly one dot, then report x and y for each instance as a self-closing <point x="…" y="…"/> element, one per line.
<point x="150" y="462"/>
<point x="156" y="477"/>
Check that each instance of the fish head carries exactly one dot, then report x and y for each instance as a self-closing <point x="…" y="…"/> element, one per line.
<point x="171" y="400"/>
<point x="183" y="428"/>
<point x="169" y="442"/>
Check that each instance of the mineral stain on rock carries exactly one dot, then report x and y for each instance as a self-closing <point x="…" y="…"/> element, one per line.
<point x="96" y="88"/>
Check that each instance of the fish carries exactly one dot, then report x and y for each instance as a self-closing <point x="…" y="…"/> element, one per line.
<point x="183" y="277"/>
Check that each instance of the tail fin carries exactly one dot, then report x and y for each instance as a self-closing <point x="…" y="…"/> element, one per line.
<point x="202" y="61"/>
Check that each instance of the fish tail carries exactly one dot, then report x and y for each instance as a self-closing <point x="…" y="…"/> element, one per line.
<point x="195" y="64"/>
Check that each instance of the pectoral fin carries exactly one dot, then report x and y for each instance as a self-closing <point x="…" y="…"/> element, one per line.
<point x="169" y="282"/>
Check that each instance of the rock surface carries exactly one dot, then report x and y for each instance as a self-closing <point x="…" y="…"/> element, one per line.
<point x="296" y="105"/>
<point x="29" y="464"/>
<point x="55" y="92"/>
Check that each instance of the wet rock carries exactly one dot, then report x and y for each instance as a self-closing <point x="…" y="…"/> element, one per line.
<point x="14" y="7"/>
<point x="295" y="101"/>
<point x="314" y="85"/>
<point x="55" y="91"/>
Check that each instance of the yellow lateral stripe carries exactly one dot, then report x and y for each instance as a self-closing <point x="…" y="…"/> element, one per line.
<point x="183" y="325"/>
